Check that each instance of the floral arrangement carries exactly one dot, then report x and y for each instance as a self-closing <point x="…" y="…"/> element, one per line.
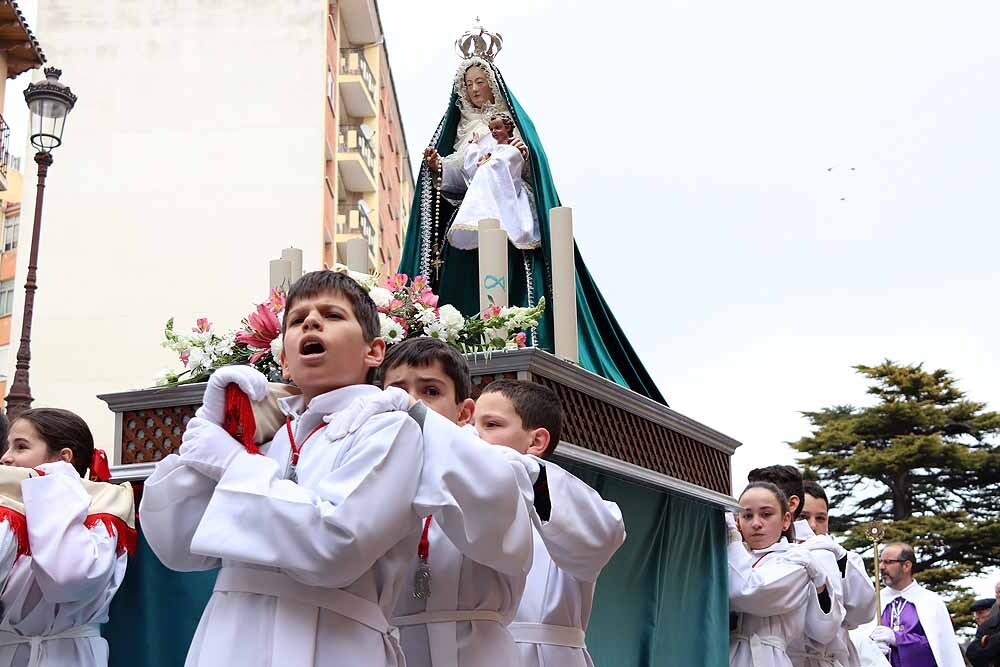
<point x="407" y="309"/>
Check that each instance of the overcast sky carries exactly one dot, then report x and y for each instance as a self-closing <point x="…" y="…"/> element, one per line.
<point x="693" y="140"/>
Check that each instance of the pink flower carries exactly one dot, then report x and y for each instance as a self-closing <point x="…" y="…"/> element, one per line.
<point x="419" y="284"/>
<point x="397" y="281"/>
<point x="521" y="339"/>
<point x="491" y="312"/>
<point x="185" y="355"/>
<point x="394" y="304"/>
<point x="263" y="327"/>
<point x="277" y="301"/>
<point x="428" y="298"/>
<point x="401" y="321"/>
<point x="203" y="325"/>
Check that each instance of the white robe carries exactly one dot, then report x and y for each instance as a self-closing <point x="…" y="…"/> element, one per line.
<point x="350" y="525"/>
<point x="859" y="603"/>
<point x="486" y="581"/>
<point x="868" y="653"/>
<point x="66" y="585"/>
<point x="820" y="646"/>
<point x="581" y="535"/>
<point x="934" y="618"/>
<point x="770" y="602"/>
<point x="495" y="191"/>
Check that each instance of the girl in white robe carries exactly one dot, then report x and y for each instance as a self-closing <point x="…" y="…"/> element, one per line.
<point x="770" y="581"/>
<point x="59" y="592"/>
<point x="312" y="567"/>
<point x="493" y="168"/>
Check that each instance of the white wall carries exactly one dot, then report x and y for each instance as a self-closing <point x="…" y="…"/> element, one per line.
<point x="195" y="153"/>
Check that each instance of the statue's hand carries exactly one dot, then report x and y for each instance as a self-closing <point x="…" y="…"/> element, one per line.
<point x="474" y="139"/>
<point x="432" y="159"/>
<point x="520" y="146"/>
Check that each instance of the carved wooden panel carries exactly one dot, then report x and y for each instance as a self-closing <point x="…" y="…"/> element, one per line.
<point x="149" y="435"/>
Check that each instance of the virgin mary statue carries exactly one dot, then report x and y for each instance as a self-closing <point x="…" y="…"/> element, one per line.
<point x="479" y="94"/>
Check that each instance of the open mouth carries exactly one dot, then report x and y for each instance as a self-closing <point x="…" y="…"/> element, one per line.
<point x="311" y="347"/>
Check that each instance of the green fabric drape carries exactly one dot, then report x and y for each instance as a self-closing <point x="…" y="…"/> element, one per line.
<point x="604" y="349"/>
<point x="155" y="612"/>
<point x="662" y="601"/>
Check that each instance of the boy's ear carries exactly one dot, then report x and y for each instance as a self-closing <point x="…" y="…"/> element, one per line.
<point x="540" y="439"/>
<point x="375" y="353"/>
<point x="466" y="412"/>
<point x="284" y="368"/>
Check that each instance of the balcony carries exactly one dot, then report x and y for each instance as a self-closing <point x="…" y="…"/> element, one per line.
<point x="355" y="159"/>
<point x="4" y="153"/>
<point x="360" y="20"/>
<point x="357" y="84"/>
<point x="355" y="223"/>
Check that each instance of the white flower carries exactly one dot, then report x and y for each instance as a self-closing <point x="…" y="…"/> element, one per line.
<point x="451" y="318"/>
<point x="511" y="345"/>
<point x="494" y="334"/>
<point x="199" y="359"/>
<point x="427" y="316"/>
<point x="392" y="332"/>
<point x="381" y="296"/>
<point x="277" y="348"/>
<point x="165" y="377"/>
<point x="436" y="330"/>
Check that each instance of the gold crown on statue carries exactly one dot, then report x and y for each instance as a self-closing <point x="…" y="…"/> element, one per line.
<point x="478" y="41"/>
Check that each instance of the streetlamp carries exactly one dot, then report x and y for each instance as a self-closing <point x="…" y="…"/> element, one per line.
<point x="49" y="101"/>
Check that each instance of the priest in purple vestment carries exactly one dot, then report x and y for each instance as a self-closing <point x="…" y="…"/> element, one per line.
<point x="915" y="629"/>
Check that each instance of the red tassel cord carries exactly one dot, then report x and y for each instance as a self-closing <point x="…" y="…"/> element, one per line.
<point x="18" y="526"/>
<point x="100" y="471"/>
<point x="238" y="419"/>
<point x="127" y="537"/>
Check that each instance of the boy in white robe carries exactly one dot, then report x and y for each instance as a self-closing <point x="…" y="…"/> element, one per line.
<point x="576" y="531"/>
<point x="73" y="544"/>
<point x="315" y="535"/>
<point x="461" y="618"/>
<point x="493" y="168"/>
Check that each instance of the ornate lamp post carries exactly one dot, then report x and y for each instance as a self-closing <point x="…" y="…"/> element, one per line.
<point x="49" y="101"/>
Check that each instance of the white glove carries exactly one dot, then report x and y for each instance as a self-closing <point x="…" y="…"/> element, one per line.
<point x="213" y="404"/>
<point x="64" y="468"/>
<point x="530" y="464"/>
<point x="800" y="556"/>
<point x="825" y="543"/>
<point x="732" y="530"/>
<point x="208" y="448"/>
<point x="352" y="417"/>
<point x="884" y="636"/>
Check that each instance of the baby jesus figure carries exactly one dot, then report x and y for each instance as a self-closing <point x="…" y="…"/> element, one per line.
<point x="493" y="170"/>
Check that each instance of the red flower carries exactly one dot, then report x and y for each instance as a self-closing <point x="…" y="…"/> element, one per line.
<point x="263" y="327"/>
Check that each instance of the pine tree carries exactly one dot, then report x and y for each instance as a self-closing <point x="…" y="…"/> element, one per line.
<point x="925" y="461"/>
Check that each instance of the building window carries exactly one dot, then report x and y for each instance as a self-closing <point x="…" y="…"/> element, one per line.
<point x="11" y="228"/>
<point x="6" y="297"/>
<point x="329" y="83"/>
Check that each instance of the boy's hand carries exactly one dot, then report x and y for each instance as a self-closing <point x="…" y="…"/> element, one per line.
<point x="251" y="381"/>
<point x="530" y="464"/>
<point x="207" y="448"/>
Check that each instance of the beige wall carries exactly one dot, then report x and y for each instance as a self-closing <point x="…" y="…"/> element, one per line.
<point x="195" y="153"/>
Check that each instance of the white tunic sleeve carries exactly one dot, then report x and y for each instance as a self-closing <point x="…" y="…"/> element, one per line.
<point x="823" y="626"/>
<point x="859" y="593"/>
<point x="70" y="561"/>
<point x="475" y="496"/>
<point x="333" y="534"/>
<point x="583" y="531"/>
<point x="174" y="499"/>
<point x="776" y="590"/>
<point x="8" y="551"/>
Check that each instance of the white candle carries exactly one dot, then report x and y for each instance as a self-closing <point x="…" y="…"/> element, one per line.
<point x="294" y="256"/>
<point x="280" y="274"/>
<point x="357" y="255"/>
<point x="563" y="283"/>
<point x="492" y="264"/>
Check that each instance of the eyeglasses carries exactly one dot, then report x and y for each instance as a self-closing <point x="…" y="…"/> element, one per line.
<point x="883" y="561"/>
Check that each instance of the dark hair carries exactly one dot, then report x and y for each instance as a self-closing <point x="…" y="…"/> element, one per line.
<point x="422" y="352"/>
<point x="812" y="488"/>
<point x="4" y="430"/>
<point x="62" y="429"/>
<point x="315" y="283"/>
<point x="536" y="405"/>
<point x="508" y="122"/>
<point x="789" y="533"/>
<point x="787" y="478"/>
<point x="906" y="553"/>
